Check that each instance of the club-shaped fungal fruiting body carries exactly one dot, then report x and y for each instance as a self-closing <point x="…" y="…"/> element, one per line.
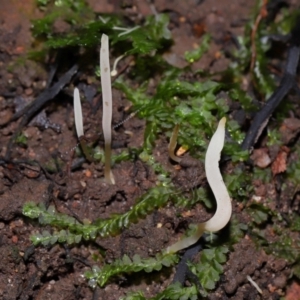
<point x="78" y="113"/>
<point x="107" y="106"/>
<point x="107" y="110"/>
<point x="215" y="180"/>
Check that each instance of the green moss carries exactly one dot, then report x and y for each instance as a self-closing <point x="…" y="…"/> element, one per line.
<point x="238" y="183"/>
<point x="85" y="29"/>
<point x="237" y="230"/>
<point x="265" y="175"/>
<point x="21" y="140"/>
<point x="73" y="12"/>
<point x="260" y="214"/>
<point x="285" y="21"/>
<point x="172" y="292"/>
<point x="72" y="229"/>
<point x="192" y="105"/>
<point x="195" y="55"/>
<point x="209" y="267"/>
<point x="128" y="265"/>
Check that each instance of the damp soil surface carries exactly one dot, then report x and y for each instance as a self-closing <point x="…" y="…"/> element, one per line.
<point x="76" y="187"/>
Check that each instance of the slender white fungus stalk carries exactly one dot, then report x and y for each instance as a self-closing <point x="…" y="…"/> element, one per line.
<point x="78" y="113"/>
<point x="173" y="143"/>
<point x="125" y="30"/>
<point x="103" y="20"/>
<point x="254" y="284"/>
<point x="114" y="71"/>
<point x="107" y="106"/>
<point x="215" y="180"/>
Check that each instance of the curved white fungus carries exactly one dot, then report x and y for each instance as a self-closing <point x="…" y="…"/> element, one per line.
<point x="215" y="180"/>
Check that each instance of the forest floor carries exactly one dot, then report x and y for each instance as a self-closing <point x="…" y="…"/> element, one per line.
<point x="48" y="138"/>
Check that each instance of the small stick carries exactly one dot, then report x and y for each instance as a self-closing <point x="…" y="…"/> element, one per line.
<point x="262" y="14"/>
<point x="254" y="284"/>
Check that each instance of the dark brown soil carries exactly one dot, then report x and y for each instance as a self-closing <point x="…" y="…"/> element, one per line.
<point x="57" y="273"/>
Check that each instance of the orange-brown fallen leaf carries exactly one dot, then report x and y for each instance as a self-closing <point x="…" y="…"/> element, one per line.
<point x="187" y="214"/>
<point x="293" y="292"/>
<point x="182" y="150"/>
<point x="279" y="164"/>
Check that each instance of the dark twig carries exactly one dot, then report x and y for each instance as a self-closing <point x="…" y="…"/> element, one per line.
<point x="287" y="83"/>
<point x="182" y="267"/>
<point x="52" y="72"/>
<point x="30" y="110"/>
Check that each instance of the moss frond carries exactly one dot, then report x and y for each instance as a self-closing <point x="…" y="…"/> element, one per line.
<point x="126" y="265"/>
<point x="73" y="230"/>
